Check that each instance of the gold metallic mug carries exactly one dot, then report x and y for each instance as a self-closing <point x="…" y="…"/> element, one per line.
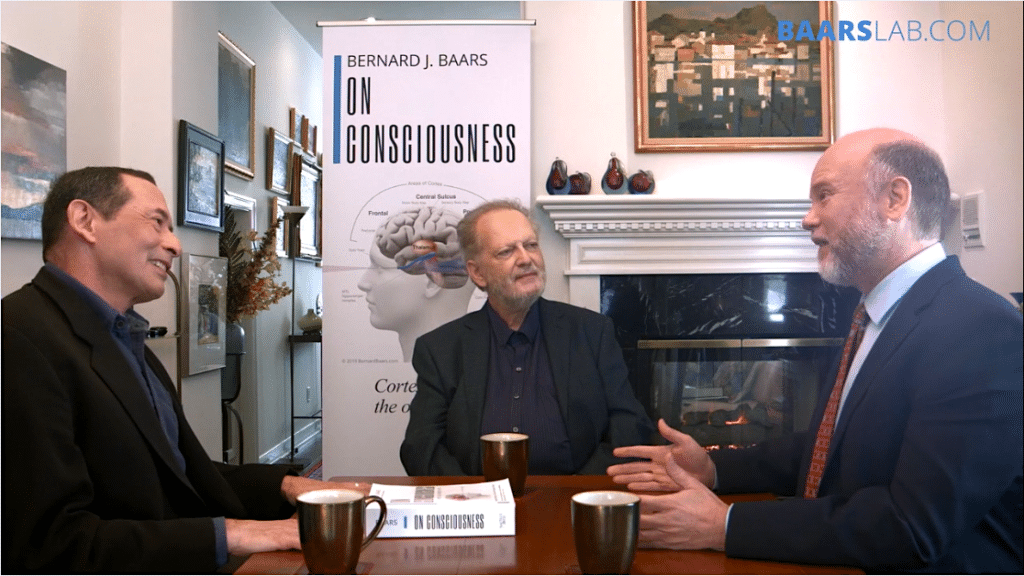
<point x="331" y="528"/>
<point x="506" y="455"/>
<point x="605" y="526"/>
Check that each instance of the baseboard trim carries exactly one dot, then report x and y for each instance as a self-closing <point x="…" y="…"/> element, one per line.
<point x="303" y="437"/>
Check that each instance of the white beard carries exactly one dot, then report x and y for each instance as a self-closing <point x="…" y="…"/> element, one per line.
<point x="860" y="243"/>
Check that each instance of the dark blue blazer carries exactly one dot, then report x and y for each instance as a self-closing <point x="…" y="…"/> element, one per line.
<point x="90" y="483"/>
<point x="597" y="403"/>
<point x="924" y="468"/>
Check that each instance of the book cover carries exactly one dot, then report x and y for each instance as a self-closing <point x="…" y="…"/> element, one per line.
<point x="480" y="509"/>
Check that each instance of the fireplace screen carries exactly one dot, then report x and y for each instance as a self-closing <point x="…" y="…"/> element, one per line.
<point x="734" y="392"/>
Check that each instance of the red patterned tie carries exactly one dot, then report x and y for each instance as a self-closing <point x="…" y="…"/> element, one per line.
<point x="828" y="420"/>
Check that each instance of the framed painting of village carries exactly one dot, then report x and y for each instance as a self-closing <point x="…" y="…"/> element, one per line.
<point x="715" y="76"/>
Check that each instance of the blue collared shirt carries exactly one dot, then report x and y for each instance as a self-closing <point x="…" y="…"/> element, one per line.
<point x="129" y="331"/>
<point x="880" y="304"/>
<point x="521" y="395"/>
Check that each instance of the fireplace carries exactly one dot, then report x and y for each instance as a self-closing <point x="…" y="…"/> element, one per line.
<point x="730" y="359"/>
<point x="725" y="325"/>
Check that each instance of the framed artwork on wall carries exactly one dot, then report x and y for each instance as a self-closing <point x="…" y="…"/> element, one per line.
<point x="277" y="218"/>
<point x="278" y="153"/>
<point x="204" y="291"/>
<point x="306" y="192"/>
<point x="200" y="178"/>
<point x="294" y="125"/>
<point x="35" y="142"/>
<point x="305" y="134"/>
<point x="710" y="76"/>
<point x="243" y="210"/>
<point x="236" y="107"/>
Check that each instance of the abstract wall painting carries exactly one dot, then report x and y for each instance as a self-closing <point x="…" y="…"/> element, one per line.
<point x="34" y="137"/>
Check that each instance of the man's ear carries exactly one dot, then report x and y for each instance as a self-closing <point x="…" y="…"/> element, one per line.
<point x="474" y="274"/>
<point x="82" y="220"/>
<point x="897" y="196"/>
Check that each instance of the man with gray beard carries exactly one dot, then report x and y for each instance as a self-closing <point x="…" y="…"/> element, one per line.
<point x="520" y="364"/>
<point x="913" y="460"/>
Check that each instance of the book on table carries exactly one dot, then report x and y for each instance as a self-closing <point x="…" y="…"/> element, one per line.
<point x="478" y="509"/>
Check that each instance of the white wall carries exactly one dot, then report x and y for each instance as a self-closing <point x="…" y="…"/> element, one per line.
<point x="984" y="152"/>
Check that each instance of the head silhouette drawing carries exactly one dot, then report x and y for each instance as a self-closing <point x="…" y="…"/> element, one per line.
<point x="417" y="278"/>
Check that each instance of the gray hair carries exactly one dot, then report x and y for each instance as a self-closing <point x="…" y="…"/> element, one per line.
<point x="929" y="185"/>
<point x="467" y="226"/>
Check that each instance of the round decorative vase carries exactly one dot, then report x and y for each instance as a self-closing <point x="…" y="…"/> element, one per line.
<point x="311" y="322"/>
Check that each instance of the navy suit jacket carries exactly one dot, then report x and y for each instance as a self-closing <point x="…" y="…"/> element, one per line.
<point x="597" y="403"/>
<point x="90" y="483"/>
<point x="924" y="467"/>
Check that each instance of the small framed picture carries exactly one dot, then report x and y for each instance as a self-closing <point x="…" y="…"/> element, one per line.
<point x="294" y="125"/>
<point x="278" y="146"/>
<point x="277" y="218"/>
<point x="243" y="210"/>
<point x="306" y="192"/>
<point x="305" y="134"/>
<point x="204" y="291"/>
<point x="200" y="178"/>
<point x="236" y="107"/>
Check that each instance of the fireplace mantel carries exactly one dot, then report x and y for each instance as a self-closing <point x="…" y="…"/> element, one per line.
<point x="659" y="235"/>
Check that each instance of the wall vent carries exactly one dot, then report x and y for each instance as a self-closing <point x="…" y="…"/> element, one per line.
<point x="971" y="216"/>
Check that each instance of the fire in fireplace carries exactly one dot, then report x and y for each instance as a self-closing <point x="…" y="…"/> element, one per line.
<point x="734" y="391"/>
<point x="731" y="359"/>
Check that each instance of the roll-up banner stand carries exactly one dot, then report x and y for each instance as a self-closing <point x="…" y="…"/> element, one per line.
<point x="423" y="121"/>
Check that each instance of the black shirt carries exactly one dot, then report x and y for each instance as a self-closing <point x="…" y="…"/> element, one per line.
<point x="521" y="395"/>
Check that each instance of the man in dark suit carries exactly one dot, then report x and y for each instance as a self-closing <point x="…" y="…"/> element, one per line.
<point x="101" y="471"/>
<point x="914" y="461"/>
<point x="520" y="364"/>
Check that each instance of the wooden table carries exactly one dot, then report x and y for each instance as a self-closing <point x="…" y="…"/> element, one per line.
<point x="543" y="543"/>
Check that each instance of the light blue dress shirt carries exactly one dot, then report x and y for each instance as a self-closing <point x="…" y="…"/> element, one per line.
<point x="880" y="303"/>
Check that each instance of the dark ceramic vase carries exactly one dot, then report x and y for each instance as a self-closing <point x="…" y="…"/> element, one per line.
<point x="579" y="183"/>
<point x="614" y="179"/>
<point x="558" y="178"/>
<point x="234" y="346"/>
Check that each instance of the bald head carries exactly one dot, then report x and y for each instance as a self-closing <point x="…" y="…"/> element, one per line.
<point x="877" y="198"/>
<point x="880" y="156"/>
<point x="873" y="137"/>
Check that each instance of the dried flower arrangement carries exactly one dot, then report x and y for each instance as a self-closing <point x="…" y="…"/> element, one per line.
<point x="252" y="287"/>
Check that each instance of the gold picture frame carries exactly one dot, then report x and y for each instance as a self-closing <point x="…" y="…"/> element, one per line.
<point x="720" y="83"/>
<point x="236" y="108"/>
